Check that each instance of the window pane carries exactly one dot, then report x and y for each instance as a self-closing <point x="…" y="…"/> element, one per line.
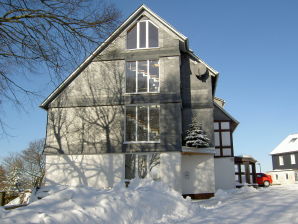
<point x="216" y="126"/>
<point x="142" y="123"/>
<point x="250" y="168"/>
<point x="236" y="168"/>
<point x="251" y="179"/>
<point x="142" y="76"/>
<point x="243" y="179"/>
<point x="154" y="123"/>
<point x="216" y="139"/>
<point x="130" y="166"/>
<point x="142" y="35"/>
<point x="131" y="40"/>
<point x="217" y="152"/>
<point x="154" y="165"/>
<point x="154" y="76"/>
<point x="242" y="167"/>
<point x="130" y="124"/>
<point x="226" y="138"/>
<point x="226" y="151"/>
<point x="142" y="166"/>
<point x="225" y="125"/>
<point x="281" y="161"/>
<point x="131" y="77"/>
<point x="293" y="159"/>
<point x="153" y="35"/>
<point x="237" y="178"/>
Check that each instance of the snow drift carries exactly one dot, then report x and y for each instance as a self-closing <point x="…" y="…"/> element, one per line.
<point x="142" y="202"/>
<point x="149" y="202"/>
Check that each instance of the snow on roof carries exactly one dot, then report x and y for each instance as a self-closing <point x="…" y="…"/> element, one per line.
<point x="289" y="144"/>
<point x="245" y="156"/>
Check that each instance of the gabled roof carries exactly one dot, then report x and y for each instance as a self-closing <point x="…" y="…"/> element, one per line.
<point x="227" y="114"/>
<point x="104" y="44"/>
<point x="289" y="144"/>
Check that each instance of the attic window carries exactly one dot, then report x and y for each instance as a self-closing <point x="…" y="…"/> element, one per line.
<point x="142" y="35"/>
<point x="293" y="140"/>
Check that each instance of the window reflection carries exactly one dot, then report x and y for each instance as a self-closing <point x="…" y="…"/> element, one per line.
<point x="147" y="78"/>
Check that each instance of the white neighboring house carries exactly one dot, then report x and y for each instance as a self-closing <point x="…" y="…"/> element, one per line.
<point x="285" y="161"/>
<point x="125" y="111"/>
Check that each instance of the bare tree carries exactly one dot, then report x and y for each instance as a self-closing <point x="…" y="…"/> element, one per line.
<point x="2" y="178"/>
<point x="34" y="163"/>
<point x="25" y="169"/>
<point x="57" y="34"/>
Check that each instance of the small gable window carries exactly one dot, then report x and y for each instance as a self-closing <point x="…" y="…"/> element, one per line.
<point x="293" y="140"/>
<point x="142" y="35"/>
<point x="281" y="160"/>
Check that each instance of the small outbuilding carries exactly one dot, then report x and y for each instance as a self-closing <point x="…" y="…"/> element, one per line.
<point x="245" y="170"/>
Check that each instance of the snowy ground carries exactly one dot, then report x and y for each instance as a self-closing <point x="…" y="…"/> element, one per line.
<point x="151" y="202"/>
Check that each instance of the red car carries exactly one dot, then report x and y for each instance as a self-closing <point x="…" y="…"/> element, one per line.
<point x="264" y="179"/>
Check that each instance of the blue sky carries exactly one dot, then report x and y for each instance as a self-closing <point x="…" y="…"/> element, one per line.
<point x="254" y="46"/>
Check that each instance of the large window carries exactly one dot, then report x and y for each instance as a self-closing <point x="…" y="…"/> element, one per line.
<point x="140" y="165"/>
<point x="142" y="76"/>
<point x="223" y="138"/>
<point x="142" y="35"/>
<point x="142" y="123"/>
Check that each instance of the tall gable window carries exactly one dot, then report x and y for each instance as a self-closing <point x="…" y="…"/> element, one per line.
<point x="142" y="76"/>
<point x="142" y="35"/>
<point x="142" y="123"/>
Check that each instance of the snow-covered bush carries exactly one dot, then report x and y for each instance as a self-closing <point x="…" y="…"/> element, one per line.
<point x="196" y="136"/>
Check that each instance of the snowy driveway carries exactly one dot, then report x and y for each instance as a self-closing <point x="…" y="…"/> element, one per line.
<point x="277" y="204"/>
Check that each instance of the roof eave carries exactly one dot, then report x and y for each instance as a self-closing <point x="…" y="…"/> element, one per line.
<point x="226" y="113"/>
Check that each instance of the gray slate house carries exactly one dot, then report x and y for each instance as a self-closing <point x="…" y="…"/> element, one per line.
<point x="124" y="113"/>
<point x="285" y="161"/>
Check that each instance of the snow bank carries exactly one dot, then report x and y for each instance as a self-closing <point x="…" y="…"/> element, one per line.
<point x="144" y="201"/>
<point x="149" y="202"/>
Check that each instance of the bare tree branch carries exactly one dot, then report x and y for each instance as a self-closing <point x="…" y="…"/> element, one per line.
<point x="55" y="33"/>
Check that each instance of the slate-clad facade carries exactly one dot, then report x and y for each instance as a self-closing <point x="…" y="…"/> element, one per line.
<point x="128" y="106"/>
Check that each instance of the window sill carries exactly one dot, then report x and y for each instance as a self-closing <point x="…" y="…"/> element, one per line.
<point x="147" y="48"/>
<point x="143" y="93"/>
<point x="141" y="142"/>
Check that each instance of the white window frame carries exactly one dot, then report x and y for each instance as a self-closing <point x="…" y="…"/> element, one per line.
<point x="136" y="127"/>
<point x="281" y="160"/>
<point x="293" y="159"/>
<point x="147" y="36"/>
<point x="148" y="76"/>
<point x="217" y="126"/>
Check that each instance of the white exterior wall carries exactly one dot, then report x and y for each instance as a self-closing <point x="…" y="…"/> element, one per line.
<point x="170" y="169"/>
<point x="99" y="171"/>
<point x="197" y="174"/>
<point x="224" y="173"/>
<point x="281" y="179"/>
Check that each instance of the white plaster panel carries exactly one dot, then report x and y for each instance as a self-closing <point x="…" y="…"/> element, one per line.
<point x="224" y="173"/>
<point x="280" y="177"/>
<point x="197" y="174"/>
<point x="170" y="169"/>
<point x="99" y="171"/>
